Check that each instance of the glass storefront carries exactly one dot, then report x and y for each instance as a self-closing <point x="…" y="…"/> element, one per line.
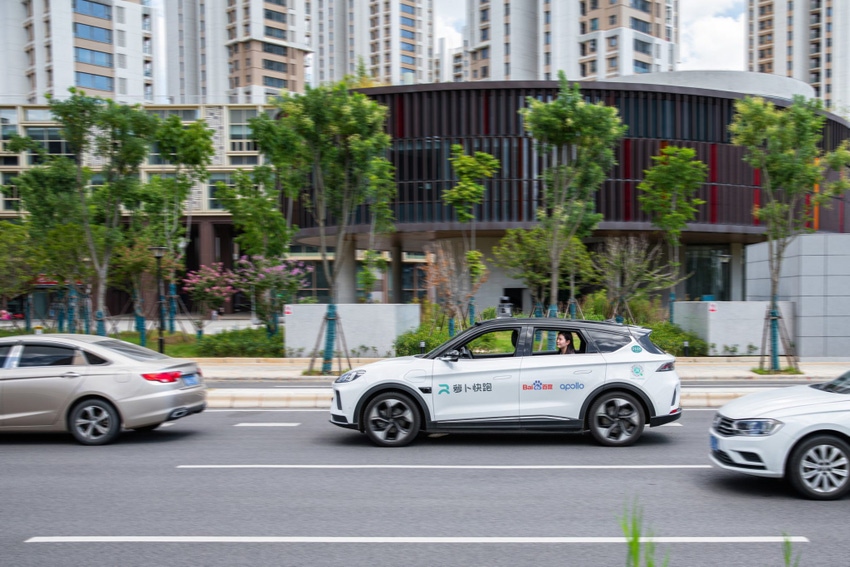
<point x="708" y="270"/>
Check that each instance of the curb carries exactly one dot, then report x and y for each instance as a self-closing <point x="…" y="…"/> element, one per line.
<point x="245" y="398"/>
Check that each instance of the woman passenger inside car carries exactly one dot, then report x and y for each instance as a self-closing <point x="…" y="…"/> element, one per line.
<point x="564" y="342"/>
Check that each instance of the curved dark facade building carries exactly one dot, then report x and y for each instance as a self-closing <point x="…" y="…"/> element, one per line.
<point x="425" y="120"/>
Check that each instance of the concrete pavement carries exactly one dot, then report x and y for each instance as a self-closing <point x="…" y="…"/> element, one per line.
<point x="707" y="382"/>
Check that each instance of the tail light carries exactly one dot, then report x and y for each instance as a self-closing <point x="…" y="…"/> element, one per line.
<point x="165" y="377"/>
<point x="667" y="367"/>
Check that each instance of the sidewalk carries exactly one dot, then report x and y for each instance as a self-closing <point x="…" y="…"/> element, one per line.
<point x="699" y="376"/>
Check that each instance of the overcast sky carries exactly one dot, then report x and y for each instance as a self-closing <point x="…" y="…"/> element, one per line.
<point x="712" y="34"/>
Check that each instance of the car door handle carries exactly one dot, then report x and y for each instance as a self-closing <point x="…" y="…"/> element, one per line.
<point x="71" y="375"/>
<point x="502" y="377"/>
<point x="582" y="371"/>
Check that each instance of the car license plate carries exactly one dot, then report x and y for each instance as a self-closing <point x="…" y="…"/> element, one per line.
<point x="713" y="443"/>
<point x="190" y="380"/>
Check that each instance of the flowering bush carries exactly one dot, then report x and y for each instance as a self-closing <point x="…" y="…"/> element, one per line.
<point x="271" y="282"/>
<point x="210" y="287"/>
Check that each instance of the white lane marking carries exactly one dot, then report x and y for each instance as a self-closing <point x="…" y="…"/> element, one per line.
<point x="266" y="424"/>
<point x="170" y="424"/>
<point x="671" y="425"/>
<point x="450" y="467"/>
<point x="395" y="540"/>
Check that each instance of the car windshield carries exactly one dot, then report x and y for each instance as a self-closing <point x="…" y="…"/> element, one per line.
<point x="130" y="350"/>
<point x="840" y="385"/>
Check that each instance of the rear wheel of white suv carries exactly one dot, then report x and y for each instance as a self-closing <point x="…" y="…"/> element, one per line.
<point x="391" y="419"/>
<point x="616" y="419"/>
<point x="819" y="468"/>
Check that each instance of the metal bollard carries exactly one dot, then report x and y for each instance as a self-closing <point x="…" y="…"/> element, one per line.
<point x="421" y="347"/>
<point x="687" y="348"/>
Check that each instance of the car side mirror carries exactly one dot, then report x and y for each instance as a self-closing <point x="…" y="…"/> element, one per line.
<point x="451" y="356"/>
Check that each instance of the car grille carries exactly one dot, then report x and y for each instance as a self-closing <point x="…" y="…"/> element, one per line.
<point x="724" y="458"/>
<point x="723" y="426"/>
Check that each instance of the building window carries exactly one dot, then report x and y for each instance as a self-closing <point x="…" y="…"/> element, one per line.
<point x="275" y="66"/>
<point x="94" y="9"/>
<point x="275" y="32"/>
<point x="270" y="48"/>
<point x="92" y="33"/>
<point x="275" y="16"/>
<point x="642" y="67"/>
<point x="90" y="81"/>
<point x="405" y="21"/>
<point x="641" y="26"/>
<point x="643" y="47"/>
<point x="91" y="57"/>
<point x="240" y="130"/>
<point x="612" y="63"/>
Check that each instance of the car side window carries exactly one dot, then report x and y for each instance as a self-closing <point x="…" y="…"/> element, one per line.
<point x="93" y="358"/>
<point x="609" y="342"/>
<point x="46" y="355"/>
<point x="495" y="344"/>
<point x="4" y="354"/>
<point x="545" y="341"/>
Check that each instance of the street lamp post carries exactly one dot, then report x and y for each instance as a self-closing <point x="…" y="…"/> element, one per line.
<point x="158" y="252"/>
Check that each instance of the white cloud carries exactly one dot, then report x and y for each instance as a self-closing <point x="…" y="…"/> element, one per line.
<point x="711" y="34"/>
<point x="449" y="17"/>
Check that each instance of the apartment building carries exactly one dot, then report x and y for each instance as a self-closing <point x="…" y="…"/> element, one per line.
<point x="104" y="48"/>
<point x="800" y="39"/>
<point x="587" y="39"/>
<point x="394" y="39"/>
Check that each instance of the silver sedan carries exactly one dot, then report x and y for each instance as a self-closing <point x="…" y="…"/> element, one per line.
<point x="92" y="386"/>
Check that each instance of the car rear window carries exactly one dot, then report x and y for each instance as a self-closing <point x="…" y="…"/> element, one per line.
<point x="608" y="342"/>
<point x="648" y="345"/>
<point x="130" y="350"/>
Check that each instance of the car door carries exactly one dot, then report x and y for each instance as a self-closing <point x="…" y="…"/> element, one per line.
<point x="36" y="389"/>
<point x="479" y="389"/>
<point x="554" y="386"/>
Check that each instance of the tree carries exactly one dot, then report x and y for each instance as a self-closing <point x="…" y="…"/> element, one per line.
<point x="784" y="145"/>
<point x="16" y="261"/>
<point x="338" y="133"/>
<point x="576" y="140"/>
<point x="210" y="287"/>
<point x="379" y="195"/>
<point x="631" y="268"/>
<point x="271" y="281"/>
<point x="525" y="256"/>
<point x="120" y="137"/>
<point x="189" y="150"/>
<point x="667" y="195"/>
<point x="464" y="197"/>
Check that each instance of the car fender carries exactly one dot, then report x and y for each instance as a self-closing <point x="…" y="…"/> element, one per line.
<point x="389" y="387"/>
<point x="812" y="430"/>
<point x="625" y="386"/>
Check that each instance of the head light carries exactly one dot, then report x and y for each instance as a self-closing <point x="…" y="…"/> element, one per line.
<point x="350" y="376"/>
<point x="756" y="427"/>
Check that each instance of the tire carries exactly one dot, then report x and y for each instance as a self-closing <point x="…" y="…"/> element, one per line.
<point x="391" y="419"/>
<point x="94" y="422"/>
<point x="819" y="468"/>
<point x="616" y="419"/>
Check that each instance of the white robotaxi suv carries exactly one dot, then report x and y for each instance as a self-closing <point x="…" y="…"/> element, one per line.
<point x="506" y="375"/>
<point x="801" y="433"/>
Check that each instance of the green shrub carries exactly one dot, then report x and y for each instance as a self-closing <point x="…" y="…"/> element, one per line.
<point x="241" y="343"/>
<point x="670" y="338"/>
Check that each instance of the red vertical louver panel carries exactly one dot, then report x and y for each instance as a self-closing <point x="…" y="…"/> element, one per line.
<point x="712" y="177"/>
<point x="399" y="116"/>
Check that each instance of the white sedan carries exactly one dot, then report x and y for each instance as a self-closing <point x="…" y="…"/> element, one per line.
<point x="801" y="433"/>
<point x="507" y="375"/>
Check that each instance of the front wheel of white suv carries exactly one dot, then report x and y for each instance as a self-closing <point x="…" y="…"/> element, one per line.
<point x="616" y="419"/>
<point x="391" y="419"/>
<point x="819" y="468"/>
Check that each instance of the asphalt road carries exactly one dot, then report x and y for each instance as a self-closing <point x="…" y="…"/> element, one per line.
<point x="285" y="487"/>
